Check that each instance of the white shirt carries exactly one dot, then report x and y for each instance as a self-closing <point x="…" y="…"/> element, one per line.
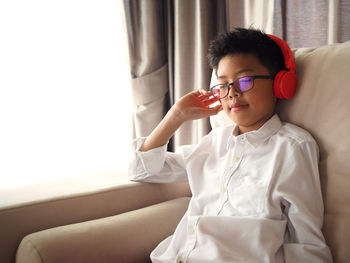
<point x="256" y="197"/>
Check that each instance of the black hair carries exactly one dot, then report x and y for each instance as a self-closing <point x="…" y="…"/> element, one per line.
<point x="247" y="41"/>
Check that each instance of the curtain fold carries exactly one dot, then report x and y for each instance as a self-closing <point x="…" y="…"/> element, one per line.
<point x="146" y="23"/>
<point x="150" y="102"/>
<point x="168" y="41"/>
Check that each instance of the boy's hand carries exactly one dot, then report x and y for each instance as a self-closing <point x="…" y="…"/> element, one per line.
<point x="195" y="105"/>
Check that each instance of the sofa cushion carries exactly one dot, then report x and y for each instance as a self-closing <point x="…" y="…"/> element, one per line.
<point x="321" y="106"/>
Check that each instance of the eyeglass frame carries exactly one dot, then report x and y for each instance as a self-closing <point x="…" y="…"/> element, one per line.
<point x="234" y="87"/>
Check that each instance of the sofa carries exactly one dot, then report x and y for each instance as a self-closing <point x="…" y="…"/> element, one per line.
<point x="124" y="223"/>
<point x="98" y="218"/>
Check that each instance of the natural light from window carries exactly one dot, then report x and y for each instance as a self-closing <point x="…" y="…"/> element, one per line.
<point x="65" y="103"/>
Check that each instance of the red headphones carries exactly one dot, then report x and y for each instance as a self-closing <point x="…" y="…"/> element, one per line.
<point x="285" y="82"/>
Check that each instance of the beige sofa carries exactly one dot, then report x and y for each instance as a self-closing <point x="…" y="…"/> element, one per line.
<point x="130" y="220"/>
<point x="90" y="219"/>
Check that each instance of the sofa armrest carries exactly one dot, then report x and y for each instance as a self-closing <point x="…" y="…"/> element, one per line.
<point x="59" y="208"/>
<point x="127" y="237"/>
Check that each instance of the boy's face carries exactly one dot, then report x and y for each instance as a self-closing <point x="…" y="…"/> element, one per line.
<point x="251" y="109"/>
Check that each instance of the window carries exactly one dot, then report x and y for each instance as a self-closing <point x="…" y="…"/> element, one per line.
<point x="65" y="106"/>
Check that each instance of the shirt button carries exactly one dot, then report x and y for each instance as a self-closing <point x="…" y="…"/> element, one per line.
<point x="223" y="189"/>
<point x="236" y="159"/>
<point x="191" y="230"/>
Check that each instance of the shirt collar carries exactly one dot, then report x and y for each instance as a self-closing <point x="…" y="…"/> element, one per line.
<point x="257" y="136"/>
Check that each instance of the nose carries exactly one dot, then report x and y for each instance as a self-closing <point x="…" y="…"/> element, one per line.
<point x="233" y="93"/>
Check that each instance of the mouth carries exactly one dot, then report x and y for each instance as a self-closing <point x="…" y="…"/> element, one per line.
<point x="239" y="106"/>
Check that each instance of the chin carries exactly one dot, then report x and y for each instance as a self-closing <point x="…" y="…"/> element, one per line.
<point x="238" y="118"/>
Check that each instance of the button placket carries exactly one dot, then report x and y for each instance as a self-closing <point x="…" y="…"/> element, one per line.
<point x="191" y="230"/>
<point x="229" y="175"/>
<point x="191" y="239"/>
<point x="223" y="189"/>
<point x="191" y="226"/>
<point x="236" y="159"/>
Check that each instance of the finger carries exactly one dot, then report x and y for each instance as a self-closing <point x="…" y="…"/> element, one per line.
<point x="202" y="97"/>
<point x="208" y="97"/>
<point x="204" y="93"/>
<point x="200" y="94"/>
<point x="213" y="111"/>
<point x="210" y="101"/>
<point x="217" y="108"/>
<point x="200" y="113"/>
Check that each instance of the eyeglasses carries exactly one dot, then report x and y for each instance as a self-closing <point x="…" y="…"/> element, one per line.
<point x="240" y="85"/>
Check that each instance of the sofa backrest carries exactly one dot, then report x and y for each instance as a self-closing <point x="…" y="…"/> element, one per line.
<point x="322" y="106"/>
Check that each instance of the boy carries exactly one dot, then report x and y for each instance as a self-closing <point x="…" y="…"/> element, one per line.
<point x="255" y="185"/>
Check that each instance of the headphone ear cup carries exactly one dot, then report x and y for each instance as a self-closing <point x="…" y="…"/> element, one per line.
<point x="284" y="84"/>
<point x="277" y="84"/>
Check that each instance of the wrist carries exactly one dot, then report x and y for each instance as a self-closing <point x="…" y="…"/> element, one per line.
<point x="164" y="131"/>
<point x="176" y="115"/>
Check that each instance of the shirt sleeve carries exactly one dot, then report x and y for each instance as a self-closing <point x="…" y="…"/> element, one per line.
<point x="303" y="206"/>
<point x="156" y="165"/>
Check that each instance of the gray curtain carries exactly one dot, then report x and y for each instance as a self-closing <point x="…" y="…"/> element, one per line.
<point x="302" y="23"/>
<point x="168" y="41"/>
<point x="146" y="23"/>
<point x="195" y="24"/>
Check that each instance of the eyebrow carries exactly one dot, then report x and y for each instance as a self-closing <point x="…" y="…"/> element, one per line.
<point x="244" y="70"/>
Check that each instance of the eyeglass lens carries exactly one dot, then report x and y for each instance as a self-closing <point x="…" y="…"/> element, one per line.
<point x="243" y="84"/>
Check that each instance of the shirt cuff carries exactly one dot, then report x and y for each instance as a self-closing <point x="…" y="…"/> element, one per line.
<point x="146" y="163"/>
